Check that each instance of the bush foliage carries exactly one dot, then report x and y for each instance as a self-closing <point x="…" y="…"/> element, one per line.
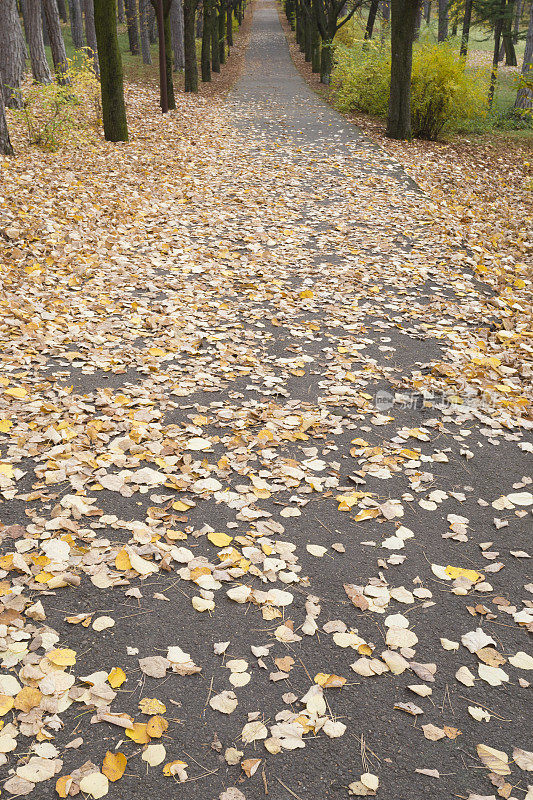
<point x="443" y="92"/>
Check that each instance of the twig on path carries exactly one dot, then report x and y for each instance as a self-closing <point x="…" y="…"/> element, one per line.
<point x="289" y="790"/>
<point x="265" y="783"/>
<point x="494" y="714"/>
<point x="209" y="692"/>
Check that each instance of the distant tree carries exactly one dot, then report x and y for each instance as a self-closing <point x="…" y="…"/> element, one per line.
<point x="111" y="78"/>
<point x="5" y="143"/>
<point x="370" y="22"/>
<point x="176" y="29"/>
<point x="166" y="85"/>
<point x="76" y="23"/>
<point x="34" y="34"/>
<point x="189" y="43"/>
<point x="90" y="34"/>
<point x="57" y="44"/>
<point x="215" y="48"/>
<point x="144" y="30"/>
<point x="205" y="55"/>
<point x="524" y="96"/>
<point x="133" y="30"/>
<point x="442" y="33"/>
<point x="62" y="8"/>
<point x="12" y="53"/>
<point x="121" y="12"/>
<point x="467" y="20"/>
<point x="403" y="24"/>
<point x="330" y="16"/>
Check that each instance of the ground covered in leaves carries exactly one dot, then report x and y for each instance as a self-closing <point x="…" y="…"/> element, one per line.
<point x="264" y="464"/>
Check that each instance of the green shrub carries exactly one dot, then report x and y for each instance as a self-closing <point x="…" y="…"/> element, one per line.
<point x="443" y="92"/>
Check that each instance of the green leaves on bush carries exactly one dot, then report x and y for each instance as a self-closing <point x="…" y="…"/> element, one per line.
<point x="443" y="92"/>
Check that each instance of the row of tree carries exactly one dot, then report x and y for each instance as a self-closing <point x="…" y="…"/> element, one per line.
<point x="316" y="23"/>
<point x="175" y="24"/>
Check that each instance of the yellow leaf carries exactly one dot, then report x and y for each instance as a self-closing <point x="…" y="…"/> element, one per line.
<point x="329" y="681"/>
<point x="6" y="704"/>
<point x="5" y="425"/>
<point x="7" y="470"/>
<point x="28" y="698"/>
<point x="62" y="658"/>
<point x="156" y="351"/>
<point x="114" y="765"/>
<point x="63" y="785"/>
<point x="17" y="391"/>
<point x="116" y="678"/>
<point x="151" y="705"/>
<point x="460" y="572"/>
<point x="367" y="513"/>
<point x="171" y="768"/>
<point x="219" y="539"/>
<point x="156" y="726"/>
<point x="122" y="560"/>
<point x="306" y="293"/>
<point x="180" y="506"/>
<point x="138" y="733"/>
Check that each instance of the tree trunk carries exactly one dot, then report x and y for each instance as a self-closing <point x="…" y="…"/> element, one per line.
<point x="215" y="49"/>
<point x="524" y="96"/>
<point x="5" y="143"/>
<point x="403" y="22"/>
<point x="57" y="45"/>
<point x="496" y="53"/>
<point x="326" y="61"/>
<point x="385" y="11"/>
<point x="308" y="35"/>
<point x="152" y="25"/>
<point x="168" y="60"/>
<point x="442" y="34"/>
<point x="144" y="33"/>
<point x="46" y="40"/>
<point x="133" y="30"/>
<point x="176" y="28"/>
<point x="507" y="33"/>
<point x="121" y="12"/>
<point x="34" y="34"/>
<point x="12" y="53"/>
<point x="516" y="21"/>
<point x="111" y="80"/>
<point x="189" y="43"/>
<point x="418" y="22"/>
<point x="62" y="8"/>
<point x="369" y="30"/>
<point x="466" y="27"/>
<point x="222" y="33"/>
<point x="427" y="11"/>
<point x="205" y="58"/>
<point x="76" y="23"/>
<point x="229" y="27"/>
<point x="90" y="34"/>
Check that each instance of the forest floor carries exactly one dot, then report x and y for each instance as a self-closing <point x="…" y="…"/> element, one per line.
<point x="265" y="460"/>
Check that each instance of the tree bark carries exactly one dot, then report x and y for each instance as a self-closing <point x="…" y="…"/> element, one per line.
<point x="34" y="34"/>
<point x="62" y="8"/>
<point x="189" y="41"/>
<point x="205" y="57"/>
<point x="168" y="58"/>
<point x="111" y="80"/>
<point x="215" y="49"/>
<point x="442" y="34"/>
<point x="121" y="12"/>
<point x="6" y="147"/>
<point x="403" y="22"/>
<point x="144" y="32"/>
<point x="466" y="27"/>
<point x="176" y="27"/>
<point x="133" y="30"/>
<point x="76" y="23"/>
<point x="507" y="34"/>
<point x="369" y="30"/>
<point x="12" y="53"/>
<point x="222" y="33"/>
<point x="427" y="11"/>
<point x="57" y="45"/>
<point x="90" y="34"/>
<point x="516" y="21"/>
<point x="496" y="53"/>
<point x="524" y="96"/>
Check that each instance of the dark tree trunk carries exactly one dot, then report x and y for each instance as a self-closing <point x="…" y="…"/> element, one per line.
<point x="507" y="33"/>
<point x="516" y="21"/>
<point x="57" y="45"/>
<point x="152" y="25"/>
<point x="326" y="61"/>
<point x="403" y="22"/>
<point x="46" y="40"/>
<point x="315" y="48"/>
<point x="442" y="34"/>
<point x="90" y="34"/>
<point x="133" y="30"/>
<point x="12" y="53"/>
<point x="163" y="86"/>
<point x="189" y="41"/>
<point x="168" y="60"/>
<point x="308" y="45"/>
<point x="427" y="11"/>
<point x="5" y="142"/>
<point x="418" y="22"/>
<point x="62" y="8"/>
<point x="496" y="53"/>
<point x="144" y="33"/>
<point x="465" y="35"/>
<point x="385" y="10"/>
<point x="76" y="23"/>
<point x="215" y="49"/>
<point x="176" y="27"/>
<point x="34" y="34"/>
<point x="111" y="80"/>
<point x="121" y="12"/>
<point x="229" y="27"/>
<point x="200" y="21"/>
<point x="222" y="33"/>
<point x="205" y="58"/>
<point x="369" y="30"/>
<point x="524" y="96"/>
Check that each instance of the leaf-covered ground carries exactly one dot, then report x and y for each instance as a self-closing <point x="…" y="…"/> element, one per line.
<point x="265" y="463"/>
